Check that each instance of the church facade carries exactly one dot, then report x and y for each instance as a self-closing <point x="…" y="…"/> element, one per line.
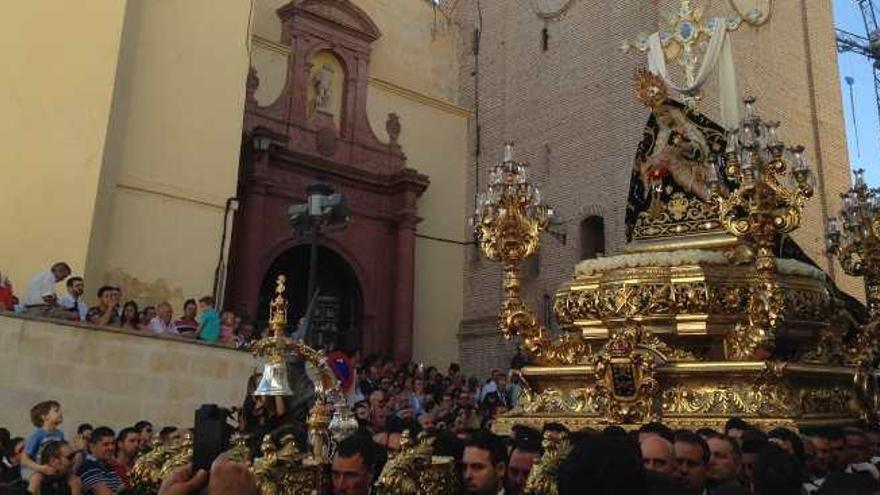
<point x="133" y="158"/>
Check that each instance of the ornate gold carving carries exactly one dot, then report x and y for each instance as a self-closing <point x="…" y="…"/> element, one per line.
<point x="571" y="348"/>
<point x="264" y="468"/>
<point x="828" y="350"/>
<point x="179" y="455"/>
<point x="679" y="216"/>
<point x="552" y="400"/>
<point x="542" y="478"/>
<point x="508" y="225"/>
<point x="651" y="342"/>
<point x="806" y="305"/>
<point x="319" y="433"/>
<point x="145" y="472"/>
<point x="625" y="388"/>
<point x="415" y="471"/>
<point x="758" y="208"/>
<point x="281" y="471"/>
<point x="768" y="395"/>
<point x="864" y="350"/>
<point x="239" y="451"/>
<point x="640" y="297"/>
<point x="857" y="241"/>
<point x="827" y="401"/>
<point x="757" y="339"/>
<point x="650" y="88"/>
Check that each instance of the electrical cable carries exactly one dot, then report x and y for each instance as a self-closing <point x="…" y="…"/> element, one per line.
<point x="442" y="239"/>
<point x="478" y="131"/>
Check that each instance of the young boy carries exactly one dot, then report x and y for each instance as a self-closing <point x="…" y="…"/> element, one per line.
<point x="46" y="418"/>
<point x="209" y="328"/>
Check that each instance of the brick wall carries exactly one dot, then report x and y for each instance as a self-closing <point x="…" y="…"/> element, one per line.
<point x="572" y="112"/>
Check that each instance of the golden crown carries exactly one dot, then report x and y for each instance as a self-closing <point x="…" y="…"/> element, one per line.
<point x="650" y="88"/>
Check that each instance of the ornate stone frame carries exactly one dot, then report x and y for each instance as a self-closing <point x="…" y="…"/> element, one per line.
<point x="382" y="192"/>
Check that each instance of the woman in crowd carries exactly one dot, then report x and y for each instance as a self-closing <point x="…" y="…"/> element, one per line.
<point x="187" y="326"/>
<point x="130" y="319"/>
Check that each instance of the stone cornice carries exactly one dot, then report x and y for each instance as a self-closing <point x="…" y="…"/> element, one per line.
<point x="272" y="46"/>
<point x="119" y="331"/>
<point x="419" y="97"/>
<point x="139" y="184"/>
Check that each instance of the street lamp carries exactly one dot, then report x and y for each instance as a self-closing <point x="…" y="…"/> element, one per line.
<point x="324" y="210"/>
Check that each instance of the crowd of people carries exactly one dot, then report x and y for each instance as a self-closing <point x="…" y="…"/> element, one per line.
<point x="389" y="399"/>
<point x="458" y="413"/>
<point x="97" y="460"/>
<point x="200" y="320"/>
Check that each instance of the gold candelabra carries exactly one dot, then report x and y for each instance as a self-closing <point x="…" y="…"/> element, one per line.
<point x="507" y="223"/>
<point x="857" y="244"/>
<point x="758" y="208"/>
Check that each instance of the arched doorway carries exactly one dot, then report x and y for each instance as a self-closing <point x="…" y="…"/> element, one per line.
<point x="339" y="308"/>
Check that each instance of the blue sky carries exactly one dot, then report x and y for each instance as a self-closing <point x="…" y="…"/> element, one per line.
<point x="867" y="124"/>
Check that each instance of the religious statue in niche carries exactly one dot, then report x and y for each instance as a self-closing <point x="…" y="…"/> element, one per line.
<point x="323" y="84"/>
<point x="673" y="162"/>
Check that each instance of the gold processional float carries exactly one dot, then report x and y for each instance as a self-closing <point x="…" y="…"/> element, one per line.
<point x="699" y="320"/>
<point x="711" y="312"/>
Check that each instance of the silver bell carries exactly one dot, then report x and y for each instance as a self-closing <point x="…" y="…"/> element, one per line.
<point x="274" y="381"/>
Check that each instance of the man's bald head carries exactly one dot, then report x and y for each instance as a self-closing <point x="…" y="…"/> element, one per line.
<point x="658" y="455"/>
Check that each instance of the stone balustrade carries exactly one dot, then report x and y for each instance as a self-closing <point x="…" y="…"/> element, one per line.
<point x="112" y="377"/>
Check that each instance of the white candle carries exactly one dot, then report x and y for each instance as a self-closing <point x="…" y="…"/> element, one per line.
<point x="508" y="152"/>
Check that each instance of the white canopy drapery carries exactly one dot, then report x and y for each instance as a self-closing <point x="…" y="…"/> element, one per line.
<point x="718" y="53"/>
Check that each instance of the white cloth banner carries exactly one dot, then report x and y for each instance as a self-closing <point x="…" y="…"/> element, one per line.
<point x="718" y="53"/>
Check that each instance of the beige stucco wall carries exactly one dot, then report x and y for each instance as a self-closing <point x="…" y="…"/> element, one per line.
<point x="56" y="83"/>
<point x="112" y="377"/>
<point x="433" y="138"/>
<point x="173" y="148"/>
<point x="413" y="73"/>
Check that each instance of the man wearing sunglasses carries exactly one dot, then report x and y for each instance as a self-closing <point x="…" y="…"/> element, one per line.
<point x="59" y="456"/>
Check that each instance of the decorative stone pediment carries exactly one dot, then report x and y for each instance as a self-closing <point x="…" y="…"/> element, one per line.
<point x="341" y="12"/>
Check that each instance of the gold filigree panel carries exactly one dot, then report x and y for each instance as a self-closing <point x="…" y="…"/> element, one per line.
<point x="657" y="292"/>
<point x="680" y="215"/>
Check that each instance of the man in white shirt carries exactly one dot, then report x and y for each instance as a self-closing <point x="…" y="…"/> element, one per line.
<point x="490" y="386"/>
<point x="162" y="324"/>
<point x="72" y="301"/>
<point x="40" y="298"/>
